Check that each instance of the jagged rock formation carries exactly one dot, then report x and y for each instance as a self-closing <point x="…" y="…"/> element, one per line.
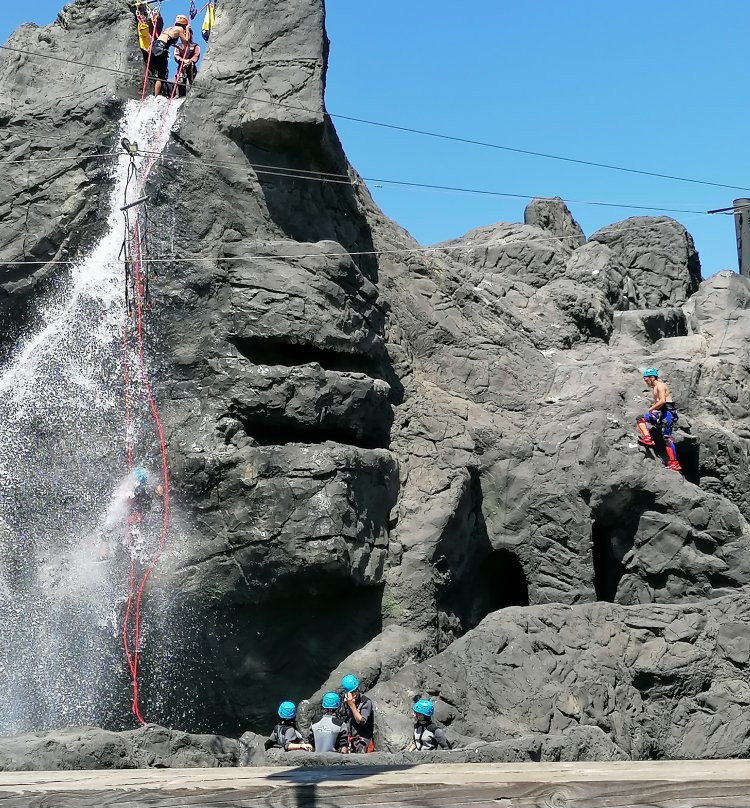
<point x="94" y="748"/>
<point x="375" y="451"/>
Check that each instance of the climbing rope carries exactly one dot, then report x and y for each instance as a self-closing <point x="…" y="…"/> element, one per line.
<point x="135" y="254"/>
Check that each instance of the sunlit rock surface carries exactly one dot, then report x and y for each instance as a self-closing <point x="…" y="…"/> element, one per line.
<point x="375" y="451"/>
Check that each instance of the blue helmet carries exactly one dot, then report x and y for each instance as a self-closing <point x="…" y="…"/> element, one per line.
<point x="141" y="475"/>
<point x="350" y="683"/>
<point x="287" y="709"/>
<point x="331" y="701"/>
<point x="424" y="707"/>
<point x="653" y="372"/>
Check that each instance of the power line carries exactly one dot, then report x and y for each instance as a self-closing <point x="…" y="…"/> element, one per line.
<point x="411" y="130"/>
<point x="333" y="178"/>
<point x="445" y="248"/>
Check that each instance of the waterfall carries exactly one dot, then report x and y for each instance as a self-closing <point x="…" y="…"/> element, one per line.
<point x="63" y="575"/>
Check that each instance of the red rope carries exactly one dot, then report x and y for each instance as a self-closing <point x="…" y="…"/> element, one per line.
<point x="165" y="472"/>
<point x="135" y="596"/>
<point x="152" y="35"/>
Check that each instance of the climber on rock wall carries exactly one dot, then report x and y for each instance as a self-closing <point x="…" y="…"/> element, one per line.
<point x="360" y="716"/>
<point x="662" y="414"/>
<point x="330" y="734"/>
<point x="428" y="734"/>
<point x="159" y="66"/>
<point x="285" y="734"/>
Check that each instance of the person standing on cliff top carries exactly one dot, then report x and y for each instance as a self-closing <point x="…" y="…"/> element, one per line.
<point x="662" y="414"/>
<point x="159" y="67"/>
<point x="187" y="56"/>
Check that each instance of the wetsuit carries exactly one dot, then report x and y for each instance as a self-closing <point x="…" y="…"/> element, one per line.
<point x="330" y="734"/>
<point x="282" y="736"/>
<point x="429" y="736"/>
<point x="361" y="733"/>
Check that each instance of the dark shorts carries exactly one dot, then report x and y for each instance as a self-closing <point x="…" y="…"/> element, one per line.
<point x="159" y="66"/>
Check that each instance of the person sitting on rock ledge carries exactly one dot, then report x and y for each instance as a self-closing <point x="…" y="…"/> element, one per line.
<point x="428" y="735"/>
<point x="662" y="414"/>
<point x="360" y="716"/>
<point x="330" y="734"/>
<point x="285" y="734"/>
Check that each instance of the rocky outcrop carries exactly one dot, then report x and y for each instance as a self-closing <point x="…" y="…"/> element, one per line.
<point x="420" y="466"/>
<point x="94" y="748"/>
<point x="663" y="682"/>
<point x="659" y="256"/>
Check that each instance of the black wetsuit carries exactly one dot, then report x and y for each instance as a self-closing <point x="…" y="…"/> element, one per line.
<point x="429" y="736"/>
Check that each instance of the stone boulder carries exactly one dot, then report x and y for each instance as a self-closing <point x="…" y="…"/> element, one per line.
<point x="659" y="255"/>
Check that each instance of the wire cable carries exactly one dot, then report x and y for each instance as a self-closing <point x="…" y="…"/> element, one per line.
<point x="198" y="88"/>
<point x="444" y="248"/>
<point x="333" y="178"/>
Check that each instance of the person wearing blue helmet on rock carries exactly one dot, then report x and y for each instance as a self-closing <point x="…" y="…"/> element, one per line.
<point x="662" y="415"/>
<point x="428" y="734"/>
<point x="285" y="734"/>
<point x="330" y="734"/>
<point x="360" y="716"/>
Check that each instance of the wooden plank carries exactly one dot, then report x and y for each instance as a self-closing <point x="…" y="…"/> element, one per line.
<point x="675" y="784"/>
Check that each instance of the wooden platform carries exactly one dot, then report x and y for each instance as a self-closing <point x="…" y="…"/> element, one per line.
<point x="682" y="784"/>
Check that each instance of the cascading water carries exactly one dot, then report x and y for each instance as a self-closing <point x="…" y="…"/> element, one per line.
<point x="63" y="573"/>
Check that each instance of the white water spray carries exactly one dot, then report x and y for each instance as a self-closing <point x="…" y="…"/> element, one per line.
<point x="61" y="459"/>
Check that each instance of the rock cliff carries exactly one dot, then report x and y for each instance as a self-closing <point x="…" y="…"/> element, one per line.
<point x="420" y="466"/>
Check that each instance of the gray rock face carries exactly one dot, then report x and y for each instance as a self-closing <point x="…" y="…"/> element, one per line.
<point x="52" y="210"/>
<point x="663" y="682"/>
<point x="659" y="255"/>
<point x="553" y="215"/>
<point x="94" y="748"/>
<point x="418" y="466"/>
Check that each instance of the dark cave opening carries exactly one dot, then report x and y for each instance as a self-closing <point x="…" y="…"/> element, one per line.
<point x="616" y="517"/>
<point x="236" y="664"/>
<point x="264" y="351"/>
<point x="473" y="578"/>
<point x="502" y="581"/>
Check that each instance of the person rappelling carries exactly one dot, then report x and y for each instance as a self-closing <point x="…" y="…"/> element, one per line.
<point x="141" y="497"/>
<point x="169" y="37"/>
<point x="661" y="415"/>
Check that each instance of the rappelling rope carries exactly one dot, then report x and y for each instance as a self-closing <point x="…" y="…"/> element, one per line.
<point x="133" y="263"/>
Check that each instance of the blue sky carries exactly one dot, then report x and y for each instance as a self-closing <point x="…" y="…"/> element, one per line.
<point x="655" y="86"/>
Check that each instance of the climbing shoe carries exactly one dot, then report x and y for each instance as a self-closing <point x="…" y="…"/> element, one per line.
<point x="646" y="441"/>
<point x="673" y="465"/>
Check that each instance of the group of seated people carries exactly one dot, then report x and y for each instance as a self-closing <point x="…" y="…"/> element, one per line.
<point x="347" y="725"/>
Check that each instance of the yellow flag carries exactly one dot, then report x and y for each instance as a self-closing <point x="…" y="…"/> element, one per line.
<point x="208" y="21"/>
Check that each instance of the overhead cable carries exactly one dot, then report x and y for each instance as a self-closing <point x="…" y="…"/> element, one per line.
<point x="198" y="88"/>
